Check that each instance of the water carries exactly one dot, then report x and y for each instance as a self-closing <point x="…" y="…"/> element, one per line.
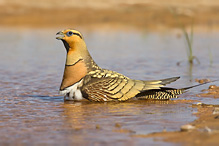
<point x="31" y="67"/>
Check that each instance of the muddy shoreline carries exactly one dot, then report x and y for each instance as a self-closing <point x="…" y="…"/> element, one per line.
<point x="203" y="131"/>
<point x="141" y="16"/>
<point x="206" y="130"/>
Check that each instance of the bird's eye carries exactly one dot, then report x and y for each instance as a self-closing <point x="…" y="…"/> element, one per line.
<point x="69" y="33"/>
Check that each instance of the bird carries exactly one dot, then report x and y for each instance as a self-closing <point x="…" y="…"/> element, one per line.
<point x="84" y="79"/>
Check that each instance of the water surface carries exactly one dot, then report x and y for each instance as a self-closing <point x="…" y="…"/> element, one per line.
<point x="31" y="67"/>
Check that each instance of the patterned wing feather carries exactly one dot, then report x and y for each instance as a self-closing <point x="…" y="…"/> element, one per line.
<point x="106" y="85"/>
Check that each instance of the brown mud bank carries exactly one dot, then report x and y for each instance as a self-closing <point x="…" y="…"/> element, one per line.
<point x="149" y="15"/>
<point x="203" y="131"/>
<point x="213" y="92"/>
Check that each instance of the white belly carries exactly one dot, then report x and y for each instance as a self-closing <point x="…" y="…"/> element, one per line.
<point x="74" y="92"/>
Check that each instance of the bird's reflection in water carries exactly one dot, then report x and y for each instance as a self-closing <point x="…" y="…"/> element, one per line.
<point x="140" y="116"/>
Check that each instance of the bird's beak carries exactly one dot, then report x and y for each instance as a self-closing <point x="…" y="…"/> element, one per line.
<point x="61" y="35"/>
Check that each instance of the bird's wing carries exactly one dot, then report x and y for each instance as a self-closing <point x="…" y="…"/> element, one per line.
<point x="106" y="85"/>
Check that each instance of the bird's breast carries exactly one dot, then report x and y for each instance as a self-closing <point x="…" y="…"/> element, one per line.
<point x="73" y="74"/>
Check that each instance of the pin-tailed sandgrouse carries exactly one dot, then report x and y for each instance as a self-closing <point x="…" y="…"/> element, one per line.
<point x="83" y="78"/>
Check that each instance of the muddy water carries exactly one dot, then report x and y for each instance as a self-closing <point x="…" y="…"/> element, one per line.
<point x="31" y="67"/>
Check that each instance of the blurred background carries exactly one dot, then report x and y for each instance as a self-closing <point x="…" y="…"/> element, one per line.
<point x="142" y="39"/>
<point x="137" y="13"/>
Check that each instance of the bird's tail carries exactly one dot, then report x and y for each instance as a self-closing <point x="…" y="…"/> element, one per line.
<point x="186" y="88"/>
<point x="165" y="93"/>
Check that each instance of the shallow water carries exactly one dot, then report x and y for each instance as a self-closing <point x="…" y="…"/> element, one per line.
<point x="31" y="67"/>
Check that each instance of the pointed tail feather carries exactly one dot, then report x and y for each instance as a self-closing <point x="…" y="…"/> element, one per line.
<point x="186" y="88"/>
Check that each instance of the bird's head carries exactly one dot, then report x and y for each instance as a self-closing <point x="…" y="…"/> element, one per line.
<point x="72" y="39"/>
<point x="75" y="47"/>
